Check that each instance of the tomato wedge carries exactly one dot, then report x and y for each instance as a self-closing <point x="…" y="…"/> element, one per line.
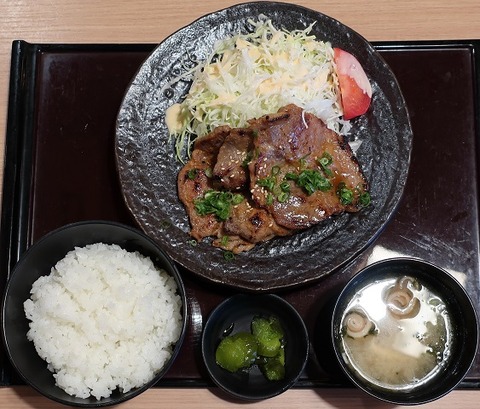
<point x="355" y="88"/>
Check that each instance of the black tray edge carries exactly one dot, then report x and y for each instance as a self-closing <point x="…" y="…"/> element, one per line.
<point x="14" y="229"/>
<point x="18" y="141"/>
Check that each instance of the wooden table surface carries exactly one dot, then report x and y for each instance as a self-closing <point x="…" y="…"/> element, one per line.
<point x="150" y="21"/>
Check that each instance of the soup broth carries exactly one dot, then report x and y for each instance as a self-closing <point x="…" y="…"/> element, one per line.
<point x="396" y="333"/>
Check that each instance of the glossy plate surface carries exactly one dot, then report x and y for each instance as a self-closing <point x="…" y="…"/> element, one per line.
<point x="148" y="170"/>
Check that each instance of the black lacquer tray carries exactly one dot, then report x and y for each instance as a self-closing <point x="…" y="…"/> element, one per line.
<point x="60" y="168"/>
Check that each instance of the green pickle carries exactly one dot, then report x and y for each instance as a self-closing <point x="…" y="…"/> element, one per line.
<point x="273" y="368"/>
<point x="269" y="335"/>
<point x="264" y="346"/>
<point x="236" y="351"/>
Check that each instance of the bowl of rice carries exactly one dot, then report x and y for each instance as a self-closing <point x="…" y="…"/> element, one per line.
<point x="94" y="314"/>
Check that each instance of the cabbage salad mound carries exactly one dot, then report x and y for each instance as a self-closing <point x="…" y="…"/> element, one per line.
<point x="104" y="319"/>
<point x="249" y="75"/>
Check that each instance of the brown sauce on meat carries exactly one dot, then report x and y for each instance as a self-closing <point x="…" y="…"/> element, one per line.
<point x="290" y="168"/>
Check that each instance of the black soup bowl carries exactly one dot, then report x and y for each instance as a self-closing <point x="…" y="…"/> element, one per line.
<point x="38" y="261"/>
<point x="405" y="331"/>
<point x="235" y="315"/>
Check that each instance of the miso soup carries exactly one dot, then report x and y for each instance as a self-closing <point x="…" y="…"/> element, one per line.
<point x="396" y="333"/>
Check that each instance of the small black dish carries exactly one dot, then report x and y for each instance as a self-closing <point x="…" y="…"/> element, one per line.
<point x="38" y="261"/>
<point x="452" y="362"/>
<point x="235" y="314"/>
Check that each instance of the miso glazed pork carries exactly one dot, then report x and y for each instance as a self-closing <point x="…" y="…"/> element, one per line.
<point x="283" y="173"/>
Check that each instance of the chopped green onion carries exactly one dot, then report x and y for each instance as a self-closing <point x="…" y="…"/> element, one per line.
<point x="345" y="194"/>
<point x="312" y="180"/>
<point x="325" y="161"/>
<point x="192" y="174"/>
<point x="283" y="197"/>
<point x="228" y="255"/>
<point x="328" y="172"/>
<point x="268" y="183"/>
<point x="285" y="186"/>
<point x="269" y="199"/>
<point x="217" y="203"/>
<point x="290" y="176"/>
<point x="364" y="199"/>
<point x="237" y="198"/>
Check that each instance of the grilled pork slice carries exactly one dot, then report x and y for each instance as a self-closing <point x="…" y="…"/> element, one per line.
<point x="252" y="223"/>
<point x="235" y="244"/>
<point x="230" y="166"/>
<point x="284" y="172"/>
<point x="303" y="172"/>
<point x="193" y="182"/>
<point x="225" y="150"/>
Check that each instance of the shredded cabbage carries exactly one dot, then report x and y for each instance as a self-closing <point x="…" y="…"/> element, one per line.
<point x="250" y="75"/>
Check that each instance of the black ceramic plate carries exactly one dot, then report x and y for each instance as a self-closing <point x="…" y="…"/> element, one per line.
<point x="148" y="170"/>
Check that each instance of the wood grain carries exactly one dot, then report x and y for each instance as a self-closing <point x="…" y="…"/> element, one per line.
<point x="144" y="21"/>
<point x="23" y="397"/>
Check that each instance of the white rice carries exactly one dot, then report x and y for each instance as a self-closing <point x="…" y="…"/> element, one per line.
<point x="104" y="318"/>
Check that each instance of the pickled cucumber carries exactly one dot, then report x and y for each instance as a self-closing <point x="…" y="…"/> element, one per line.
<point x="237" y="351"/>
<point x="264" y="346"/>
<point x="269" y="335"/>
